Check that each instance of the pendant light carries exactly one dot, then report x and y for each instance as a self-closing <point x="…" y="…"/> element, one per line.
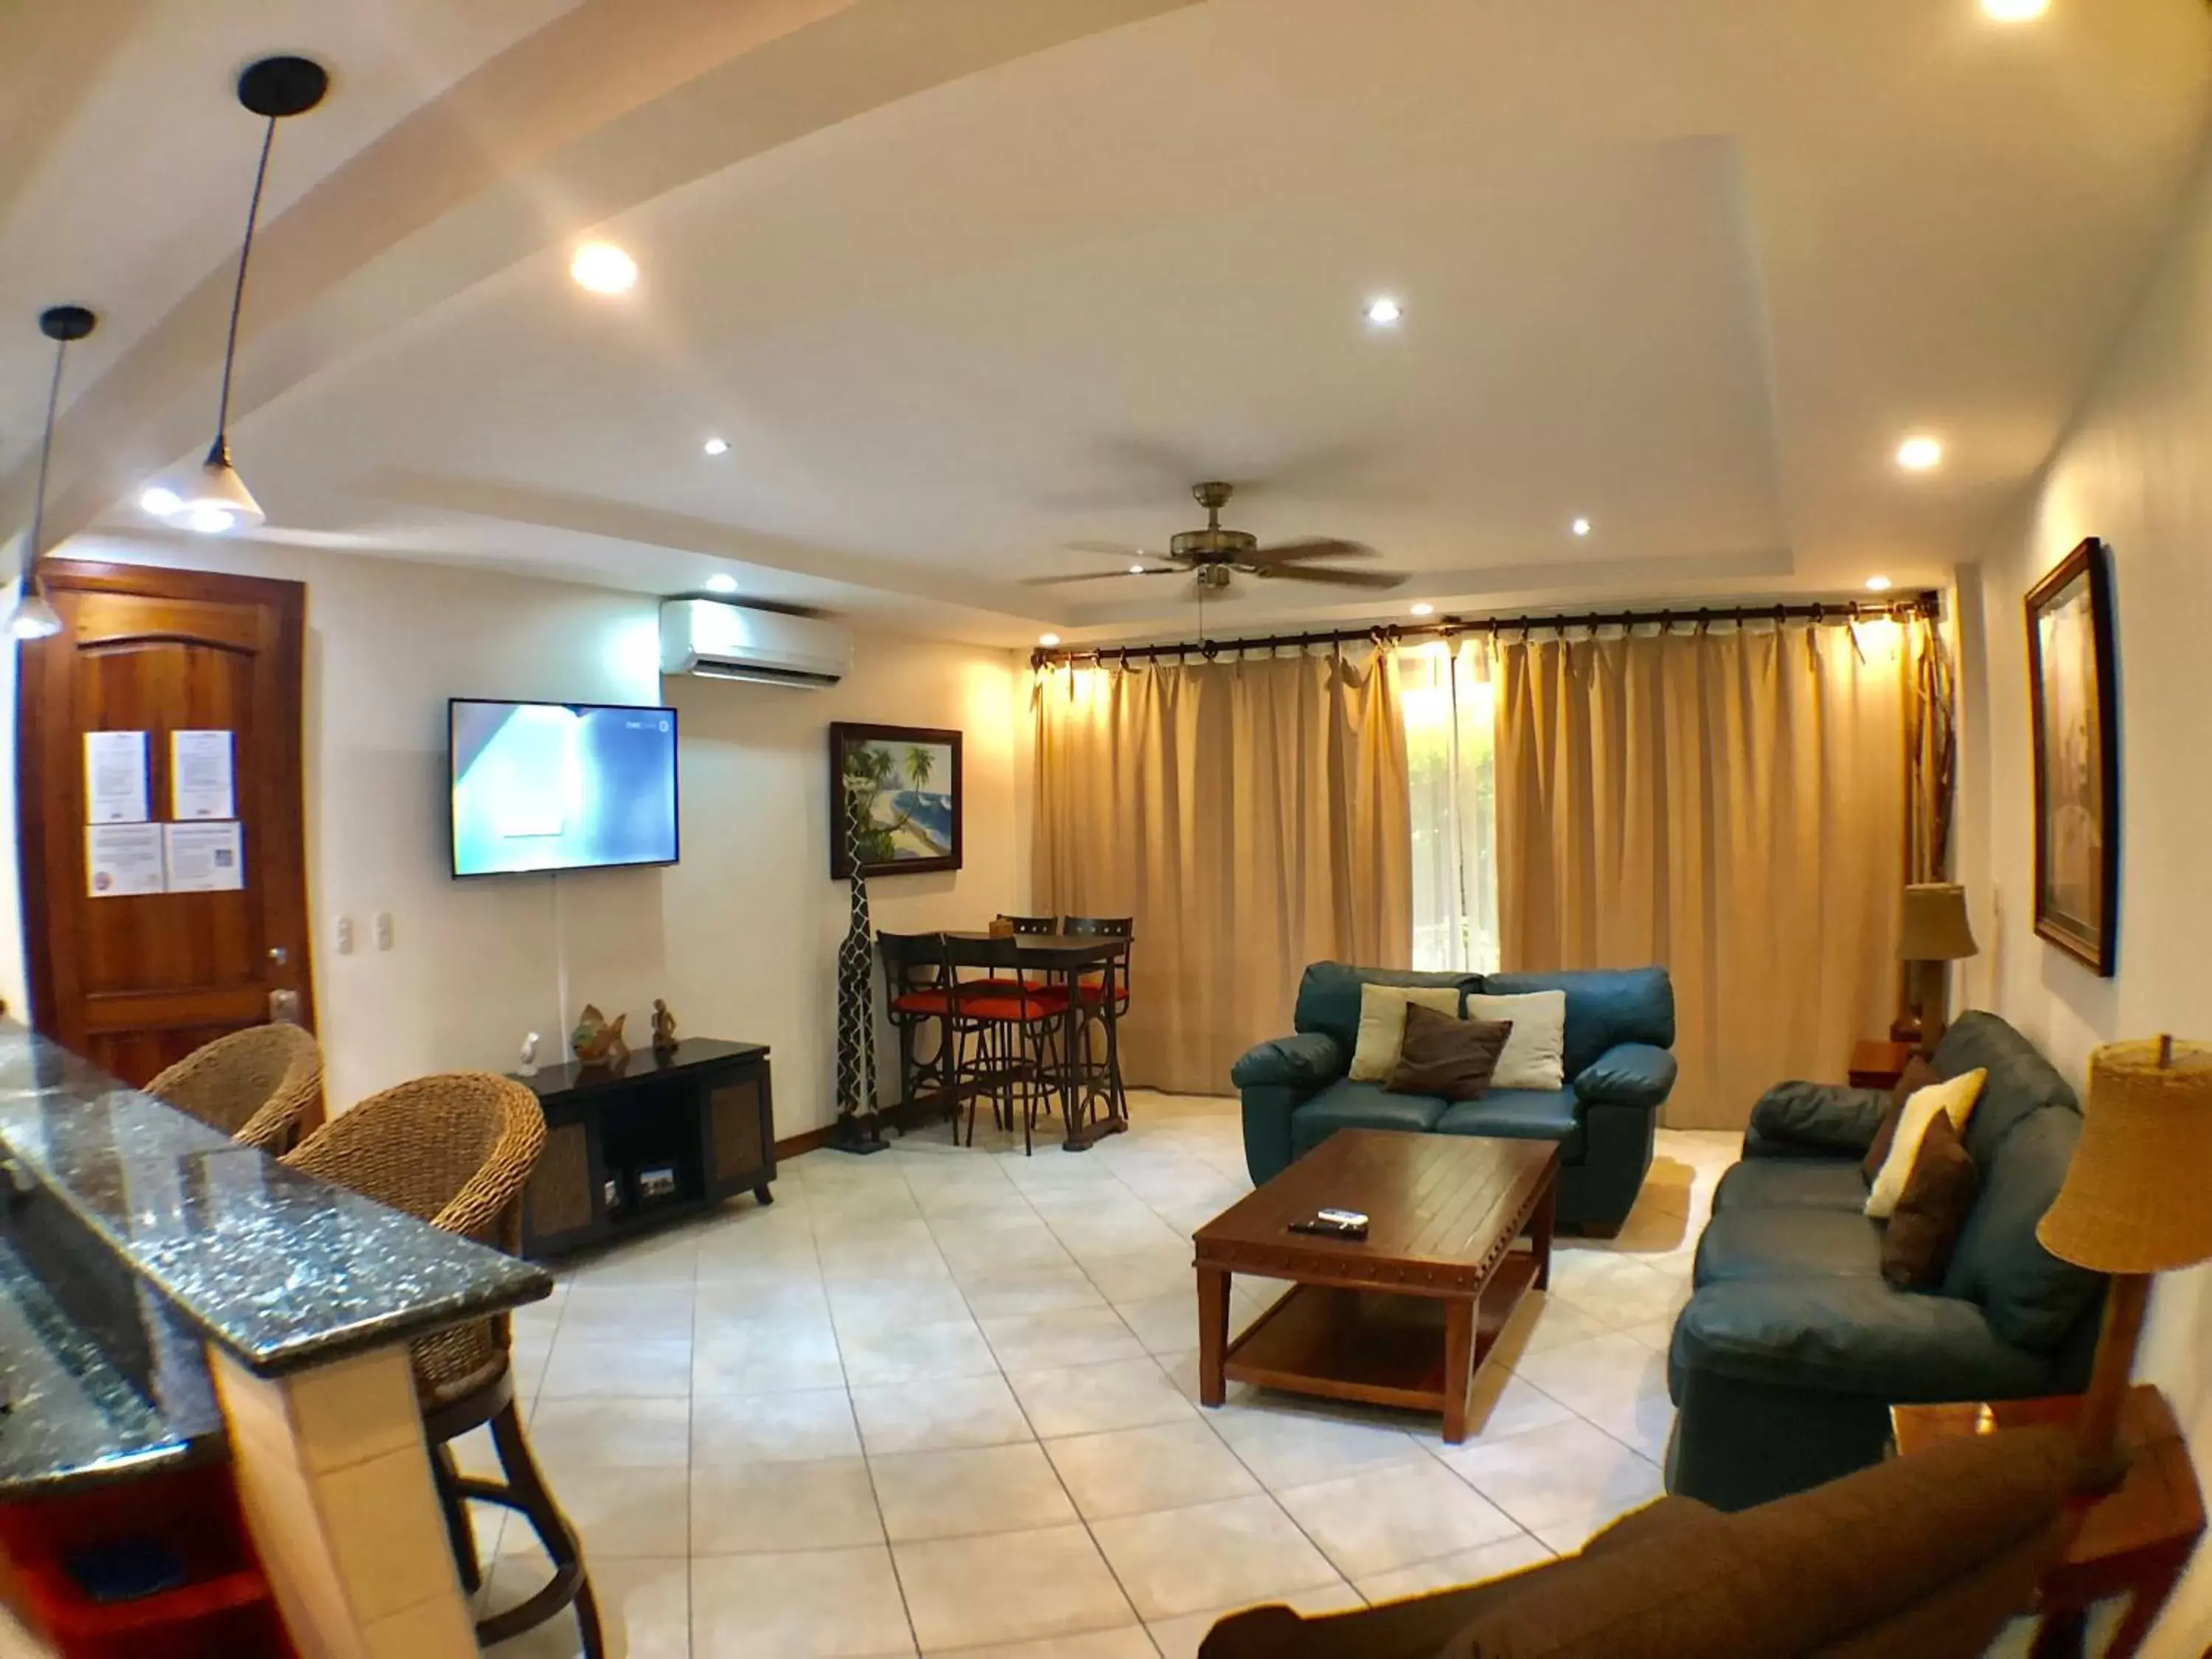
<point x="33" y="616"/>
<point x="214" y="500"/>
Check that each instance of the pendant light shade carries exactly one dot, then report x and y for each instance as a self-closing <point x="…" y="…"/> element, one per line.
<point x="215" y="500"/>
<point x="33" y="616"/>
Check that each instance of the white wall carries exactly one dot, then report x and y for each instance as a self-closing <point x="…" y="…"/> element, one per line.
<point x="2137" y="472"/>
<point x="739" y="938"/>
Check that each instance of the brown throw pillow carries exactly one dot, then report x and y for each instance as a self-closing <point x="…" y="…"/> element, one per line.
<point x="1916" y="1248"/>
<point x="1447" y="1058"/>
<point x="1919" y="1074"/>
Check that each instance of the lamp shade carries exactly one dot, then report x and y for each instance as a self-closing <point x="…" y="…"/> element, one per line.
<point x="2138" y="1196"/>
<point x="1936" y="926"/>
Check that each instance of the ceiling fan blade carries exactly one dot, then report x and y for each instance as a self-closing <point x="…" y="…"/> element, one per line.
<point x="1124" y="550"/>
<point x="1102" y="576"/>
<point x="1299" y="573"/>
<point x="1312" y="547"/>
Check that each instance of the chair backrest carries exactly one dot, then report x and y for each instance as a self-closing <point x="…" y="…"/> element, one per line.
<point x="1031" y="924"/>
<point x="1099" y="926"/>
<point x="455" y="1150"/>
<point x="913" y="961"/>
<point x="253" y="1085"/>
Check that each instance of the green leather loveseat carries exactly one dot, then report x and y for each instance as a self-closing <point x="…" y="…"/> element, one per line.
<point x="1620" y="1023"/>
<point x="1793" y="1347"/>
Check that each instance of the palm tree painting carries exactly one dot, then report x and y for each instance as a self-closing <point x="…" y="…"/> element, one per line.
<point x="897" y="788"/>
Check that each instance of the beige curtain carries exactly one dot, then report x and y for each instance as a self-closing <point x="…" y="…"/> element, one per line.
<point x="1730" y="804"/>
<point x="1252" y="816"/>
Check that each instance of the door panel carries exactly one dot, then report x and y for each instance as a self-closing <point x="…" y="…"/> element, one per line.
<point x="135" y="983"/>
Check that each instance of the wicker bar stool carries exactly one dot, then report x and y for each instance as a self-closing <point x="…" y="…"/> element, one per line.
<point x="456" y="1151"/>
<point x="1104" y="996"/>
<point x="254" y="1085"/>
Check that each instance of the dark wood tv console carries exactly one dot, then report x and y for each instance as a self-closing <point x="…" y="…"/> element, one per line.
<point x="631" y="1146"/>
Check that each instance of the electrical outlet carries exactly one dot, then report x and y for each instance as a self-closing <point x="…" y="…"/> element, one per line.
<point x="384" y="930"/>
<point x="346" y="936"/>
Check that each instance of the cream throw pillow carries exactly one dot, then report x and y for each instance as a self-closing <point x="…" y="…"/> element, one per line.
<point x="1383" y="1024"/>
<point x="1955" y="1100"/>
<point x="1535" y="1055"/>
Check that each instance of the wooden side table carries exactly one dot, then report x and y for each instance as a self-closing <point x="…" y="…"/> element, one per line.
<point x="1878" y="1064"/>
<point x="2134" y="1540"/>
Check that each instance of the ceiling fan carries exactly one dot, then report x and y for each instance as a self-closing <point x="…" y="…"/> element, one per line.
<point x="1214" y="555"/>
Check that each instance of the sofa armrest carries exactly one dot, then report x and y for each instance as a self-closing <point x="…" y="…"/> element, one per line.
<point x="1824" y="1120"/>
<point x="1628" y="1074"/>
<point x="1854" y="1336"/>
<point x="1309" y="1060"/>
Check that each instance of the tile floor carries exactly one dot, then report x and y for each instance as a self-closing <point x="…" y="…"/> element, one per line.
<point x="941" y="1400"/>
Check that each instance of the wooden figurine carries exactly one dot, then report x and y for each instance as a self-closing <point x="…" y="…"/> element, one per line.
<point x="664" y="1030"/>
<point x="597" y="1042"/>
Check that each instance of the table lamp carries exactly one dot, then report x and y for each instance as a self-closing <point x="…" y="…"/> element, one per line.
<point x="1935" y="932"/>
<point x="2135" y="1203"/>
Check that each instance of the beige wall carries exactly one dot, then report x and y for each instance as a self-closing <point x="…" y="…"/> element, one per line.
<point x="2137" y="472"/>
<point x="739" y="936"/>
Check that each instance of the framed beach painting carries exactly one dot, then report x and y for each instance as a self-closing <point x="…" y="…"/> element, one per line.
<point x="2073" y="693"/>
<point x="903" y="783"/>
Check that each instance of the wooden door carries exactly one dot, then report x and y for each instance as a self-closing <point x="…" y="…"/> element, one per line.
<point x="136" y="982"/>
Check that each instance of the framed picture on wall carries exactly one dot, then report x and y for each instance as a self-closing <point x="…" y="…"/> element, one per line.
<point x="903" y="784"/>
<point x="2073" y="692"/>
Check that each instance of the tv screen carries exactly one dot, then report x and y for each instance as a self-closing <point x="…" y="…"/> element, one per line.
<point x="561" y="785"/>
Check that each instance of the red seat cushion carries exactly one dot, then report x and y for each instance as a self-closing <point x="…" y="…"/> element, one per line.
<point x="1039" y="1005"/>
<point x="1096" y="994"/>
<point x="927" y="1004"/>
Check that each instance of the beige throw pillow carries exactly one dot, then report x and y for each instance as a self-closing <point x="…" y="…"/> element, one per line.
<point x="1383" y="1024"/>
<point x="1535" y="1055"/>
<point x="1955" y="1100"/>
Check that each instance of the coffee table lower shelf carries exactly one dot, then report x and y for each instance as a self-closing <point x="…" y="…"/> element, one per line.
<point x="1378" y="1348"/>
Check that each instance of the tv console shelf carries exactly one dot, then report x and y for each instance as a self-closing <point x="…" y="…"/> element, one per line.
<point x="631" y="1146"/>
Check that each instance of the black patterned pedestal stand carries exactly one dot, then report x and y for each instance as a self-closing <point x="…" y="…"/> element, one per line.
<point x="857" y="1131"/>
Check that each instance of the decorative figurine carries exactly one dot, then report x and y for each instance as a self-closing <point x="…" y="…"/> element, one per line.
<point x="857" y="1129"/>
<point x="529" y="1066"/>
<point x="596" y="1042"/>
<point x="664" y="1030"/>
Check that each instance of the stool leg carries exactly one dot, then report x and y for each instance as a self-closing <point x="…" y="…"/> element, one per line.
<point x="554" y="1533"/>
<point x="459" y="1533"/>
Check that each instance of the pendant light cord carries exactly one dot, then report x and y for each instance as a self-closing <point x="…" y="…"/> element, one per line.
<point x="46" y="456"/>
<point x="221" y="450"/>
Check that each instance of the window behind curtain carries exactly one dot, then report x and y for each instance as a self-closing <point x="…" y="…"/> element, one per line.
<point x="1449" y="705"/>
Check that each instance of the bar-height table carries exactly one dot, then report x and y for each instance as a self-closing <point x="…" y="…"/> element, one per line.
<point x="1068" y="957"/>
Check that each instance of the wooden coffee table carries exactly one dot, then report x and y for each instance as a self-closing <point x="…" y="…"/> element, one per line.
<point x="1406" y="1316"/>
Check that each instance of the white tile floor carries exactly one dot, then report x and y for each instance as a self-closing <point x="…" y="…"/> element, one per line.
<point x="941" y="1400"/>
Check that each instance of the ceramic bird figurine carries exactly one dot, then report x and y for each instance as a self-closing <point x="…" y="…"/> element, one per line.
<point x="664" y="1029"/>
<point x="595" y="1042"/>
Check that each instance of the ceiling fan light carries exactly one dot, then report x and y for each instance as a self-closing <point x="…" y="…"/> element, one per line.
<point x="34" y="616"/>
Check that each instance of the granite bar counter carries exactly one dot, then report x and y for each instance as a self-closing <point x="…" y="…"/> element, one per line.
<point x="170" y="1298"/>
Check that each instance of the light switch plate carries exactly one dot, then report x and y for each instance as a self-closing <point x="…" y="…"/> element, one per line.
<point x="346" y="936"/>
<point x="384" y="930"/>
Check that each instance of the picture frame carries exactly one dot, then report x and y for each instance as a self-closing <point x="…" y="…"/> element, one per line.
<point x="916" y="807"/>
<point x="2074" y="712"/>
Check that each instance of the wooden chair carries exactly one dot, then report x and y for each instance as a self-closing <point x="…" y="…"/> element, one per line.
<point x="456" y="1151"/>
<point x="254" y="1085"/>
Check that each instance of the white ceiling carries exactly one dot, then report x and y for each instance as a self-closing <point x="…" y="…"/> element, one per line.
<point x="963" y="281"/>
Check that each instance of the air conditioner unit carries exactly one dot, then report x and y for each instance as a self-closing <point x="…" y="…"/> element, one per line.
<point x="719" y="641"/>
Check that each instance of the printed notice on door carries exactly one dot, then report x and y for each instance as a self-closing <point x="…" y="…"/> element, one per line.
<point x="122" y="859"/>
<point x="204" y="857"/>
<point x="199" y="776"/>
<point x="115" y="777"/>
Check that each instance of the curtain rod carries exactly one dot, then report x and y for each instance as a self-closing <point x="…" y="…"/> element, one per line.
<point x="1906" y="607"/>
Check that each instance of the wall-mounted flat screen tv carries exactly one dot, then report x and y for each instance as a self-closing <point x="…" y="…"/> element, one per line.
<point x="561" y="785"/>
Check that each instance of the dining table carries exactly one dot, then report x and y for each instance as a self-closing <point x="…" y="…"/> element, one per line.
<point x="1089" y="1107"/>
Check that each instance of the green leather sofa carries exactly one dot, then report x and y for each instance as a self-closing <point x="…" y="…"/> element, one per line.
<point x="1620" y="1023"/>
<point x="1793" y="1347"/>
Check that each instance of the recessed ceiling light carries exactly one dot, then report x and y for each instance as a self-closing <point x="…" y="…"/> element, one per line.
<point x="2015" y="11"/>
<point x="1047" y="640"/>
<point x="604" y="268"/>
<point x="716" y="446"/>
<point x="1136" y="570"/>
<point x="1879" y="584"/>
<point x="1425" y="608"/>
<point x="1919" y="454"/>
<point x="1384" y="312"/>
<point x="161" y="500"/>
<point x="719" y="583"/>
<point x="1580" y="526"/>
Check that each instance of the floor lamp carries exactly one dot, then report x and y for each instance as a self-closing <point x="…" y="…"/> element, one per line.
<point x="2135" y="1203"/>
